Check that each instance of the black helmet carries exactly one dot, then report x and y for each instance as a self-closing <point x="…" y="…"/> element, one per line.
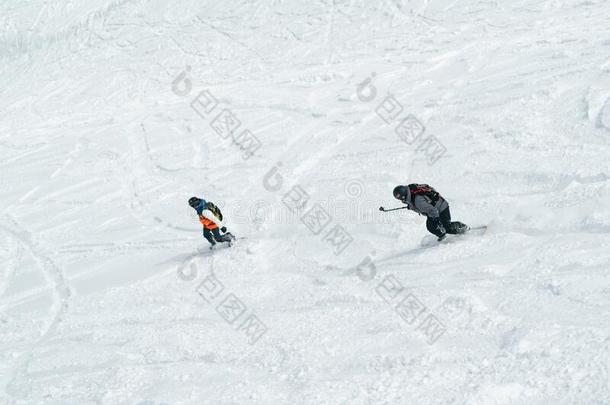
<point x="194" y="202"/>
<point x="401" y="193"/>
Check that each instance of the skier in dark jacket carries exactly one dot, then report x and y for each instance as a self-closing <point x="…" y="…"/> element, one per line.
<point x="211" y="219"/>
<point x="424" y="200"/>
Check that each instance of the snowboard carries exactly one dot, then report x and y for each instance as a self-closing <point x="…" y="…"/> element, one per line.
<point x="225" y="245"/>
<point x="431" y="240"/>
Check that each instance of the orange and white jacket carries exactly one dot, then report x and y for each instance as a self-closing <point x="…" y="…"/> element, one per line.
<point x="209" y="220"/>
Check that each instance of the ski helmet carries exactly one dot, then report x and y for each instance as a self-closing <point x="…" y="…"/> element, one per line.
<point x="194" y="202"/>
<point x="401" y="193"/>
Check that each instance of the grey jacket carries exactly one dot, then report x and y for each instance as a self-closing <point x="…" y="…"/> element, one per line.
<point x="423" y="205"/>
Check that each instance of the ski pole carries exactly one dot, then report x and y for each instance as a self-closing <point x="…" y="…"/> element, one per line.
<point x="392" y="209"/>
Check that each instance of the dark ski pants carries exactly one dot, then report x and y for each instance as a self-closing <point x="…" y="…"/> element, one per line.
<point x="445" y="219"/>
<point x="208" y="233"/>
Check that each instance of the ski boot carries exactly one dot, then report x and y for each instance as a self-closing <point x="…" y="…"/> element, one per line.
<point x="231" y="238"/>
<point x="461" y="228"/>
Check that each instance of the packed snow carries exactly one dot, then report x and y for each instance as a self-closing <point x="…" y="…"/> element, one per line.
<point x="298" y="118"/>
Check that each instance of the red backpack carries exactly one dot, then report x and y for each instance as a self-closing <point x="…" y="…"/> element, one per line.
<point x="424" y="190"/>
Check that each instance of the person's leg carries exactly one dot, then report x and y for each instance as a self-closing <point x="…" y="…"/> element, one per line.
<point x="432" y="226"/>
<point x="445" y="217"/>
<point x="454" y="227"/>
<point x="221" y="238"/>
<point x="208" y="235"/>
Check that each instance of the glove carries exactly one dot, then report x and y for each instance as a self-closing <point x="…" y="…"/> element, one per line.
<point x="223" y="229"/>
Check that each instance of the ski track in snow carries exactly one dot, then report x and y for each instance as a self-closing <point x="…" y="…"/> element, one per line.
<point x="61" y="295"/>
<point x="103" y="259"/>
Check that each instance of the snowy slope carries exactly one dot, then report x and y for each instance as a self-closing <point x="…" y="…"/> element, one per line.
<point x="105" y="274"/>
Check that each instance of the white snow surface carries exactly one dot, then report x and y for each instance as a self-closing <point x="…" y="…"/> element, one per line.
<point x="104" y="268"/>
